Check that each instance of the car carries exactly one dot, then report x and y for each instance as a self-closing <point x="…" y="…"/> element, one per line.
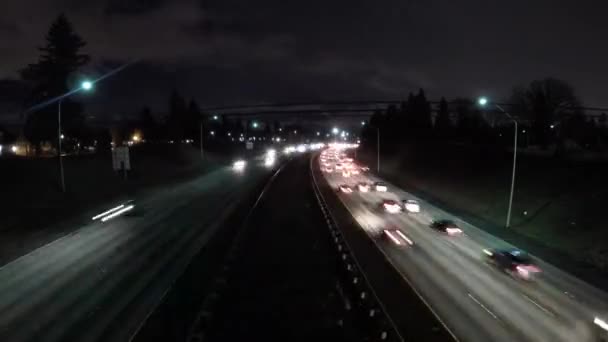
<point x="355" y="171"/>
<point x="346" y="173"/>
<point x="391" y="206"/>
<point x="328" y="169"/>
<point x="363" y="187"/>
<point x="515" y="262"/>
<point x="339" y="166"/>
<point x="397" y="237"/>
<point x="380" y="186"/>
<point x="446" y="226"/>
<point x="345" y="189"/>
<point x="411" y="206"/>
<point x="364" y="168"/>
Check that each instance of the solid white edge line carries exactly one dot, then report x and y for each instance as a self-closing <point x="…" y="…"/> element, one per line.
<point x="483" y="307"/>
<point x="114" y="214"/>
<point x="107" y="212"/>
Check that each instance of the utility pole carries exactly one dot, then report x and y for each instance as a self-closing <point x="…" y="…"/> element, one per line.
<point x="508" y="223"/>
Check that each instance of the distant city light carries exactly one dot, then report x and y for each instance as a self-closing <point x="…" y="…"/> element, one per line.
<point x="552" y="126"/>
<point x="318" y="133"/>
<point x="14" y="149"/>
<point x="362" y="123"/>
<point x="62" y="136"/>
<point x="335" y="130"/>
<point x="215" y="117"/>
<point x="280" y="129"/>
<point x="229" y="134"/>
<point x="136" y="137"/>
<point x="212" y="132"/>
<point x="254" y="124"/>
<point x="295" y="132"/>
<point x="483" y="101"/>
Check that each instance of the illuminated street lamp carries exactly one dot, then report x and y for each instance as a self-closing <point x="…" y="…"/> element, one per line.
<point x="362" y="123"/>
<point x="335" y="130"/>
<point x="482" y="102"/>
<point x="86" y="86"/>
<point x="254" y="124"/>
<point x="215" y="117"/>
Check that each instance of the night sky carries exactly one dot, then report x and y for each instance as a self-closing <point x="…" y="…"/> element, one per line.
<point x="244" y="51"/>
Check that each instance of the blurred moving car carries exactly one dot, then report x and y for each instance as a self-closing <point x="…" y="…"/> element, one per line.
<point x="411" y="206"/>
<point x="328" y="169"/>
<point x="391" y="206"/>
<point x="446" y="226"/>
<point x="363" y="187"/>
<point x="339" y="166"/>
<point x="515" y="262"/>
<point x="364" y="168"/>
<point x="345" y="188"/>
<point x="380" y="186"/>
<point x="346" y="173"/>
<point x="397" y="237"/>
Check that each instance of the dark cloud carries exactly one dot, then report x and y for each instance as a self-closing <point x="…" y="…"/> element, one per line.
<point x="232" y="51"/>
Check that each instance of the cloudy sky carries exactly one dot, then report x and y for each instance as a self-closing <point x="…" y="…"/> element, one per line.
<point x="243" y="51"/>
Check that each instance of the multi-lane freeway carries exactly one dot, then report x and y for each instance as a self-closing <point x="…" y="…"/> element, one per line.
<point x="100" y="282"/>
<point x="473" y="299"/>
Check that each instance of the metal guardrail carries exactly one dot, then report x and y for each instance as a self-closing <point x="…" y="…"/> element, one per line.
<point x="357" y="287"/>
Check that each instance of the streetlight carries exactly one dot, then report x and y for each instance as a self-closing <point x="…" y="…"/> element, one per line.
<point x="362" y="123"/>
<point x="85" y="85"/>
<point x="335" y="130"/>
<point x="482" y="102"/>
<point x="254" y="124"/>
<point x="215" y="117"/>
<point x="318" y="133"/>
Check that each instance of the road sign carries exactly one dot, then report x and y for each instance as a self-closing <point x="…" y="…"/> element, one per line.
<point x="249" y="145"/>
<point x="120" y="158"/>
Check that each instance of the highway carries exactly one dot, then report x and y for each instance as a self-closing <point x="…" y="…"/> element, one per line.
<point x="474" y="300"/>
<point x="100" y="282"/>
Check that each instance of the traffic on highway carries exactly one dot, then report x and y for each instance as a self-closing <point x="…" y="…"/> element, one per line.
<point x="480" y="287"/>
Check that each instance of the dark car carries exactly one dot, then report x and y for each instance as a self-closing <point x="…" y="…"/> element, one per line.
<point x="446" y="226"/>
<point x="513" y="261"/>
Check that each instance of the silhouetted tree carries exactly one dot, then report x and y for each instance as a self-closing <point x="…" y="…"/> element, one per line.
<point x="443" y="125"/>
<point x="546" y="102"/>
<point x="60" y="58"/>
<point x="177" y="114"/>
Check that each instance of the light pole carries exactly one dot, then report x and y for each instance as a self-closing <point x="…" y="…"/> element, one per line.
<point x="378" y="148"/>
<point x="86" y="86"/>
<point x="483" y="101"/>
<point x="201" y="138"/>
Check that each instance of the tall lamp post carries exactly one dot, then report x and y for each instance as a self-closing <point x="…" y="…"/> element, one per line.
<point x="84" y="86"/>
<point x="483" y="102"/>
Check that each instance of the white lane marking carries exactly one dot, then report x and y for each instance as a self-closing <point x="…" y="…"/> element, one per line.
<point x="545" y="310"/>
<point x="483" y="307"/>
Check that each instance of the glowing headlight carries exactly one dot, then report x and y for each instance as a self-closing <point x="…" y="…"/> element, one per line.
<point x="239" y="165"/>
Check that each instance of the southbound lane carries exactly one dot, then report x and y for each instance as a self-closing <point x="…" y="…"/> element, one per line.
<point x="476" y="301"/>
<point x="103" y="279"/>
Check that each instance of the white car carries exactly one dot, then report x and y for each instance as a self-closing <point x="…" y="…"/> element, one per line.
<point x="346" y="173"/>
<point x="411" y="206"/>
<point x="379" y="186"/>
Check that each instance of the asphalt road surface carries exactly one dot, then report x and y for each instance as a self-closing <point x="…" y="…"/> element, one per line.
<point x="101" y="281"/>
<point x="475" y="301"/>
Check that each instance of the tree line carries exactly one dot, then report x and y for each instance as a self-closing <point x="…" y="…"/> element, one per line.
<point x="549" y="114"/>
